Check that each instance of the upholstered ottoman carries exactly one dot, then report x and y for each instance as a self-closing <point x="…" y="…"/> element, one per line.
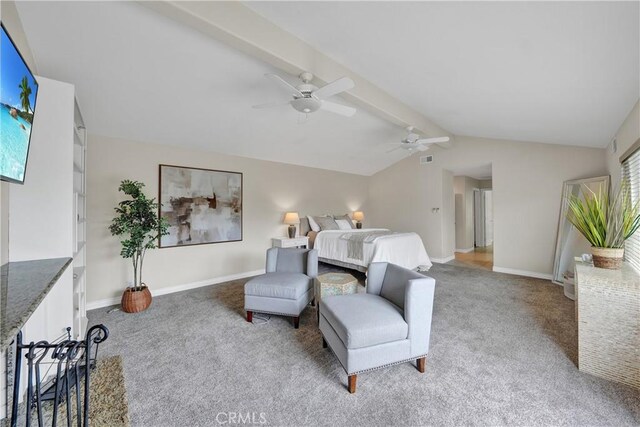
<point x="286" y="288"/>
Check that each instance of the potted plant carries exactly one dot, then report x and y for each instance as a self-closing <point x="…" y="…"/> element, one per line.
<point x="605" y="222"/>
<point x="138" y="223"/>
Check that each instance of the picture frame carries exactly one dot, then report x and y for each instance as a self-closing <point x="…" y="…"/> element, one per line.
<point x="202" y="206"/>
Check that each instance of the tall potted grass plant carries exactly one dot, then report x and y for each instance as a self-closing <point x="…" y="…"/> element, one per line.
<point x="606" y="222"/>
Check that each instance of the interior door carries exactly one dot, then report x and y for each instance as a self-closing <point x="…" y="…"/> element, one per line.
<point x="488" y="216"/>
<point x="479" y="225"/>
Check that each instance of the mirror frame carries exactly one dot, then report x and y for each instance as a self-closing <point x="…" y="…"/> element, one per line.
<point x="562" y="221"/>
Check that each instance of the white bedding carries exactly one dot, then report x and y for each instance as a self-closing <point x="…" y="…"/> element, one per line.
<point x="403" y="249"/>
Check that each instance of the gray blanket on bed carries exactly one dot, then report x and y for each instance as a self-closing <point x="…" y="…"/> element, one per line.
<point x="356" y="241"/>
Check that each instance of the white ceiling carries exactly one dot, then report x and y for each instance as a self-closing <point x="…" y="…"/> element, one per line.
<point x="553" y="72"/>
<point x="141" y="76"/>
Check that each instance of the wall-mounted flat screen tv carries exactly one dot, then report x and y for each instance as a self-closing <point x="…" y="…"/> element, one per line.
<point x="18" y="91"/>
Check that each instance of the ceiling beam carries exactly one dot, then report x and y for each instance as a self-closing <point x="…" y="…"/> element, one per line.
<point x="240" y="27"/>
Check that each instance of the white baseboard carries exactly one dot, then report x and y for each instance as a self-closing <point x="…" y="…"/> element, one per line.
<point x="178" y="288"/>
<point x="526" y="273"/>
<point x="464" y="251"/>
<point x="443" y="260"/>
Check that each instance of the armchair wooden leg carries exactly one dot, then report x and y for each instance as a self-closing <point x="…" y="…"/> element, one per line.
<point x="250" y="316"/>
<point x="352" y="383"/>
<point x="324" y="343"/>
<point x="421" y="364"/>
<point x="296" y="322"/>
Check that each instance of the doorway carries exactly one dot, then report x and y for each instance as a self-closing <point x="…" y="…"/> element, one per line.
<point x="473" y="190"/>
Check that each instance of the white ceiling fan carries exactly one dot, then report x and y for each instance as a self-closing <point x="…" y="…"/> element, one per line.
<point x="308" y="98"/>
<point x="413" y="142"/>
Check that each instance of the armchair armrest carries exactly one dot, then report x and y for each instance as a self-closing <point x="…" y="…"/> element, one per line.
<point x="418" y="310"/>
<point x="312" y="263"/>
<point x="375" y="277"/>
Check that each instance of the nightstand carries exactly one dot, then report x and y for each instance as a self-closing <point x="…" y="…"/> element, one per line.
<point x="285" y="242"/>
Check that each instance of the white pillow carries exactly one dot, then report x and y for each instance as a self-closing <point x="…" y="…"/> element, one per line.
<point x="343" y="224"/>
<point x="314" y="225"/>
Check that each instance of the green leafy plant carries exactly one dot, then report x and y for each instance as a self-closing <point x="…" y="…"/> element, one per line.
<point x="605" y="222"/>
<point x="138" y="222"/>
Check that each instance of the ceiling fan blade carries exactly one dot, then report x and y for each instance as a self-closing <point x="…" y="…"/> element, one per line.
<point x="421" y="147"/>
<point x="394" y="149"/>
<point x="338" y="109"/>
<point x="284" y="84"/>
<point x="269" y="105"/>
<point x="333" y="88"/>
<point x="433" y="140"/>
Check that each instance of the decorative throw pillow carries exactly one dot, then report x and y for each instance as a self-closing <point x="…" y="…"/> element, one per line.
<point x="343" y="224"/>
<point x="326" y="223"/>
<point x="346" y="218"/>
<point x="314" y="225"/>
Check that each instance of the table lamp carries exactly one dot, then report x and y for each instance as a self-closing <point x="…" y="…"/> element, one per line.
<point x="292" y="219"/>
<point x="358" y="216"/>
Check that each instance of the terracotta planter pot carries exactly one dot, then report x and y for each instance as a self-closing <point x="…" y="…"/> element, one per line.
<point x="609" y="258"/>
<point x="135" y="301"/>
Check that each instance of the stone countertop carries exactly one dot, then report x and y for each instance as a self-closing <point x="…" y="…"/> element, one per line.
<point x="23" y="286"/>
<point x="625" y="278"/>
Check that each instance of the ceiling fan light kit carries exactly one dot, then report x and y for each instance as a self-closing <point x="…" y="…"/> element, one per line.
<point x="308" y="98"/>
<point x="306" y="105"/>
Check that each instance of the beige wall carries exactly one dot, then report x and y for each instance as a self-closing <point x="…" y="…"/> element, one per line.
<point x="527" y="186"/>
<point x="11" y="21"/>
<point x="626" y="136"/>
<point x="270" y="189"/>
<point x="448" y="213"/>
<point x="4" y="223"/>
<point x="485" y="183"/>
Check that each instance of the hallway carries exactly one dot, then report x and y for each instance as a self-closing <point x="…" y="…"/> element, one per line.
<point x="478" y="258"/>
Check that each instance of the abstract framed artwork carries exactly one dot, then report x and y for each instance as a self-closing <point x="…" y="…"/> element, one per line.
<point x="201" y="205"/>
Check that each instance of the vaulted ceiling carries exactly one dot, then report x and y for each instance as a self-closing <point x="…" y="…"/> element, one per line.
<point x="562" y="73"/>
<point x="144" y="77"/>
<point x="552" y="72"/>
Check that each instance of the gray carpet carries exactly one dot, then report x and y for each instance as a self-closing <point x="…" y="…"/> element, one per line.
<point x="503" y="352"/>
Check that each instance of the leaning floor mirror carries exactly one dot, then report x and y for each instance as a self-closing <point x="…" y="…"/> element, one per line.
<point x="571" y="243"/>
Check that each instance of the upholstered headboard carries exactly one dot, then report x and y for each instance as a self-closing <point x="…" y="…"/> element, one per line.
<point x="304" y="226"/>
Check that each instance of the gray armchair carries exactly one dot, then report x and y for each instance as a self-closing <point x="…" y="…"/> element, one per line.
<point x="387" y="325"/>
<point x="287" y="286"/>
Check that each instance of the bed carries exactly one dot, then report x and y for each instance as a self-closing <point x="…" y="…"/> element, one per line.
<point x="357" y="248"/>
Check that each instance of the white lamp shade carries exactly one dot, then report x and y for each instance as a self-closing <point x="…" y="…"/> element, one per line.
<point x="291" y="218"/>
<point x="358" y="215"/>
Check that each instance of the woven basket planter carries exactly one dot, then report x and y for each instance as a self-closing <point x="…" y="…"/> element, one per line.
<point x="135" y="301"/>
<point x="609" y="258"/>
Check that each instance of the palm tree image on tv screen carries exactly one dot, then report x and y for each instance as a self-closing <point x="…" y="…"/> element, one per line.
<point x="18" y="89"/>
